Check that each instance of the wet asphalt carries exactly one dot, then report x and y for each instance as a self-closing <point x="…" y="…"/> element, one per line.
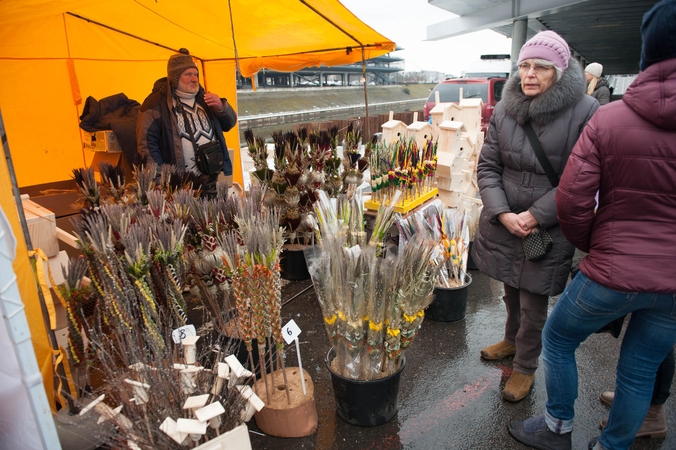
<point x="449" y="398"/>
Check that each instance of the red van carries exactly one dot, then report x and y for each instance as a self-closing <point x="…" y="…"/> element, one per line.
<point x="488" y="89"/>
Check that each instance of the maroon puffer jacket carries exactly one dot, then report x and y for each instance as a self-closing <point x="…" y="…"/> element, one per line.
<point x="627" y="152"/>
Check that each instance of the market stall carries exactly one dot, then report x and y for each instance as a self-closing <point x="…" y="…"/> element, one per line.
<point x="58" y="53"/>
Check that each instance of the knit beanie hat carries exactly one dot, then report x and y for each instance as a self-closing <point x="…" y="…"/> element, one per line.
<point x="658" y="32"/>
<point x="594" y="69"/>
<point x="546" y="45"/>
<point x="178" y="64"/>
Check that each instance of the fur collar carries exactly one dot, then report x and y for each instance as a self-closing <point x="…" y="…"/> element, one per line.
<point x="546" y="107"/>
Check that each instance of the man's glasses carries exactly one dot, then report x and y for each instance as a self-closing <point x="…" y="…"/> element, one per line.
<point x="537" y="68"/>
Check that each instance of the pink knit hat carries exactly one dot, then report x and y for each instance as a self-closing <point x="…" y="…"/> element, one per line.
<point x="546" y="45"/>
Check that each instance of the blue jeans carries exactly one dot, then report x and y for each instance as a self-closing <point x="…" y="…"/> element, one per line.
<point x="584" y="307"/>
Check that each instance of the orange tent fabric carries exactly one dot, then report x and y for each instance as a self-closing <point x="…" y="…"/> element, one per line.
<point x="55" y="53"/>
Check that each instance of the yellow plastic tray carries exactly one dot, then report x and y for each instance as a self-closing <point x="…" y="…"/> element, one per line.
<point x="407" y="206"/>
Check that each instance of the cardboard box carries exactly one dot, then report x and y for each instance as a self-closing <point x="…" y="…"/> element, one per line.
<point x="41" y="227"/>
<point x="101" y="141"/>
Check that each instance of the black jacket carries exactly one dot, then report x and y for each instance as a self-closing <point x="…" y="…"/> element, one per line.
<point x="118" y="113"/>
<point x="156" y="134"/>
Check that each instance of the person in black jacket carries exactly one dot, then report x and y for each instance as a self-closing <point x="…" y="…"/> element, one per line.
<point x="177" y="100"/>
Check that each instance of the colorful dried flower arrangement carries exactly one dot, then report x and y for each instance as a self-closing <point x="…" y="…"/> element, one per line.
<point x="449" y="228"/>
<point x="402" y="165"/>
<point x="354" y="164"/>
<point x="372" y="300"/>
<point x="306" y="162"/>
<point x="290" y="186"/>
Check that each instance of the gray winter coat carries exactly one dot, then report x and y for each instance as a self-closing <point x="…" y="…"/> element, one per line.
<point x="602" y="91"/>
<point x="511" y="179"/>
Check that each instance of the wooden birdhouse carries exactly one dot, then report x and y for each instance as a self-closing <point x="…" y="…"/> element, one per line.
<point x="438" y="115"/>
<point x="393" y="130"/>
<point x="470" y="114"/>
<point x="450" y="199"/>
<point x="420" y="131"/>
<point x="444" y="163"/>
<point x="450" y="137"/>
<point x="468" y="144"/>
<point x="454" y="113"/>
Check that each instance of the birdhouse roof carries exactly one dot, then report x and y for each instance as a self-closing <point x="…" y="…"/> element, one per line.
<point x="440" y="108"/>
<point x="453" y="125"/>
<point x="417" y="126"/>
<point x="471" y="103"/>
<point x="393" y="124"/>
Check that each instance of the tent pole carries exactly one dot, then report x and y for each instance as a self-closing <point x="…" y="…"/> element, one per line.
<point x="29" y="245"/>
<point x="363" y="62"/>
<point x="367" y="135"/>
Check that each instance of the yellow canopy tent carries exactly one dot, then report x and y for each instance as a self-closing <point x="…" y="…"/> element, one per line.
<point x="54" y="54"/>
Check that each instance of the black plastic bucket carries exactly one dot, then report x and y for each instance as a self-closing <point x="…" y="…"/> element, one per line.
<point x="365" y="403"/>
<point x="293" y="266"/>
<point x="449" y="304"/>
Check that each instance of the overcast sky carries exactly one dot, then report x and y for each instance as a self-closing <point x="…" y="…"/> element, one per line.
<point x="405" y="22"/>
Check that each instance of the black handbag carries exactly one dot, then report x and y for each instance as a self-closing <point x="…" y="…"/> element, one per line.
<point x="539" y="242"/>
<point x="208" y="157"/>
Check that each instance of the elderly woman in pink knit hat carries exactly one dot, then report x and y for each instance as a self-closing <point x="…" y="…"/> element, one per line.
<point x="543" y="108"/>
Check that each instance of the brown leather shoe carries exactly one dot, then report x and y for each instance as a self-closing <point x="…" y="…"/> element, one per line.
<point x="498" y="351"/>
<point x="517" y="386"/>
<point x="607" y="397"/>
<point x="654" y="425"/>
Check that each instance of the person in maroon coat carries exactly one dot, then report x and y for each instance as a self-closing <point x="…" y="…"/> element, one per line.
<point x="627" y="153"/>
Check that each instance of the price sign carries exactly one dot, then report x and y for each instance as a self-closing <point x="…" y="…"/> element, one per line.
<point x="290" y="331"/>
<point x="181" y="333"/>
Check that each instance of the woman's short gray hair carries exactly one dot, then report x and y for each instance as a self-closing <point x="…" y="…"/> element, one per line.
<point x="544" y="62"/>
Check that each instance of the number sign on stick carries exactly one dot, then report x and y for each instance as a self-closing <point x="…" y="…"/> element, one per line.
<point x="181" y="333"/>
<point x="290" y="331"/>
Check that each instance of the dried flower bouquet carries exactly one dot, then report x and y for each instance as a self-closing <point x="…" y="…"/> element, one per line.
<point x="449" y="228"/>
<point x="372" y="301"/>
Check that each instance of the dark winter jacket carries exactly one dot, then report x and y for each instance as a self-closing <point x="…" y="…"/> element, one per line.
<point x="156" y="128"/>
<point x="602" y="91"/>
<point x="628" y="154"/>
<point x="511" y="179"/>
<point x="117" y="113"/>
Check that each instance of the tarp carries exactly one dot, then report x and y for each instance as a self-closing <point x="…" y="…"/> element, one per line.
<point x="54" y="54"/>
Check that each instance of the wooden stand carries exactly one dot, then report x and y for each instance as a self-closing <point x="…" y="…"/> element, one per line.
<point x="281" y="418"/>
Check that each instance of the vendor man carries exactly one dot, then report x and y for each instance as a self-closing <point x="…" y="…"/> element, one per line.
<point x="179" y="120"/>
